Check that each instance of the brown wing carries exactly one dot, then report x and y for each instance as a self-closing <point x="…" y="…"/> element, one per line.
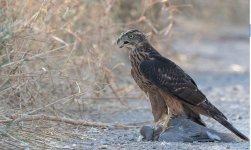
<point x="173" y="80"/>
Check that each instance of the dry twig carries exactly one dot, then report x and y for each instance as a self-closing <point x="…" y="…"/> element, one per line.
<point x="65" y="120"/>
<point x="54" y="118"/>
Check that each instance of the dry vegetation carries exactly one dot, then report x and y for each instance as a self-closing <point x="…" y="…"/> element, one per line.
<point x="59" y="58"/>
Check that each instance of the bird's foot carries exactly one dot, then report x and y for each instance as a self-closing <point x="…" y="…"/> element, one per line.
<point x="157" y="130"/>
<point x="160" y="126"/>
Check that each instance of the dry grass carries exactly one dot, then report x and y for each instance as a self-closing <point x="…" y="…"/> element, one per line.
<point x="59" y="57"/>
<point x="55" y="52"/>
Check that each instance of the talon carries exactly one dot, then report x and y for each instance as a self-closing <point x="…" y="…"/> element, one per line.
<point x="168" y="127"/>
<point x="156" y="132"/>
<point x="161" y="126"/>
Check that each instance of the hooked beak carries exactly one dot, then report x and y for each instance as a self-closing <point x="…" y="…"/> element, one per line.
<point x="122" y="41"/>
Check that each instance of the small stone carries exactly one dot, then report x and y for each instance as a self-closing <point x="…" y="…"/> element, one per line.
<point x="104" y="142"/>
<point x="237" y="88"/>
<point x="92" y="143"/>
<point x="140" y="138"/>
<point x="103" y="147"/>
<point x="239" y="117"/>
<point x="228" y="147"/>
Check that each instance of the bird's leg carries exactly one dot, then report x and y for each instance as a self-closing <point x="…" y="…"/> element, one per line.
<point x="161" y="125"/>
<point x="160" y="113"/>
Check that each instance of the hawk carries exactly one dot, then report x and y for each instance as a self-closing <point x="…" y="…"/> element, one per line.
<point x="171" y="91"/>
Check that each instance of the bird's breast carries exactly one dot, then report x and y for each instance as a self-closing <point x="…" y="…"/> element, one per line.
<point x="136" y="58"/>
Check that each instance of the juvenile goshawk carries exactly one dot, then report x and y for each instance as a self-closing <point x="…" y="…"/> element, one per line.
<point x="171" y="91"/>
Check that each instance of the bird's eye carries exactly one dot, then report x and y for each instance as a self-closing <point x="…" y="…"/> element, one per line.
<point x="131" y="36"/>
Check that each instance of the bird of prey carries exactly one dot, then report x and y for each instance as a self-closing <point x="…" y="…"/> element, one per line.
<point x="171" y="91"/>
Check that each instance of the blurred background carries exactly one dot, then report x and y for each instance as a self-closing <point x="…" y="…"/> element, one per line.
<point x="60" y="58"/>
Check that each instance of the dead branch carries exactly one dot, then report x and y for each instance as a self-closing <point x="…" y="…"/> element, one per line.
<point x="56" y="119"/>
<point x="36" y="56"/>
<point x="65" y="120"/>
<point x="55" y="102"/>
<point x="108" y="77"/>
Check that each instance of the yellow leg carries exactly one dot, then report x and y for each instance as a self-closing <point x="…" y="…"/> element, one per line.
<point x="163" y="121"/>
<point x="161" y="125"/>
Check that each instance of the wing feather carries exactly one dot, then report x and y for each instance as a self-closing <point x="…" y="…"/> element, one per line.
<point x="169" y="77"/>
<point x="172" y="79"/>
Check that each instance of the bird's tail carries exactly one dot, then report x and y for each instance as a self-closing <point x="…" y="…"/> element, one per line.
<point x="228" y="125"/>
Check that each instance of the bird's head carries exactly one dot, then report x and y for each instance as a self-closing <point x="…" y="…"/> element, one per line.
<point x="131" y="39"/>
